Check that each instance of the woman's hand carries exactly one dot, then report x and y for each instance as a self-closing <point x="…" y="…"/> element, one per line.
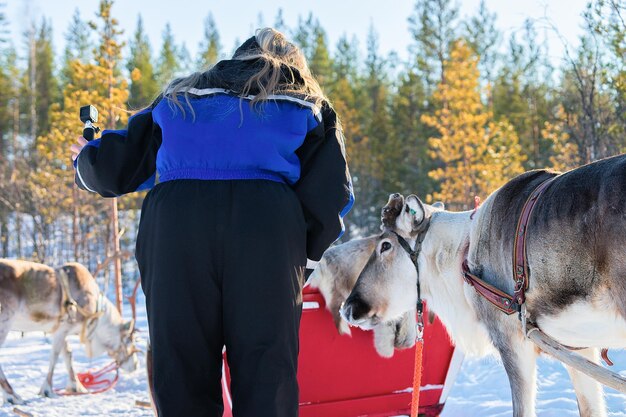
<point x="77" y="148"/>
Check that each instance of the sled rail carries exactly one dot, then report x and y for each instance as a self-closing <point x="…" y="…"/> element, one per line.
<point x="576" y="361"/>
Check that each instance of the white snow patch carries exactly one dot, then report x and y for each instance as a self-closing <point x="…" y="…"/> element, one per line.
<point x="481" y="389"/>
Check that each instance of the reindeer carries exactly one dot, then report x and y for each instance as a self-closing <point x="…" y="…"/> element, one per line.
<point x="575" y="252"/>
<point x="62" y="301"/>
<point x="336" y="274"/>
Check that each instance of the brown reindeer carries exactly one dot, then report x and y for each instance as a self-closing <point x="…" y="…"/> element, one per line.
<point x="62" y="301"/>
<point x="575" y="249"/>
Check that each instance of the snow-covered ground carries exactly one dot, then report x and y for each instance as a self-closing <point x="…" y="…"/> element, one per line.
<point x="481" y="389"/>
<point x="25" y="362"/>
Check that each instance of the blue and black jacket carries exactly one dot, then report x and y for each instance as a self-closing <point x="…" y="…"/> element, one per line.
<point x="288" y="140"/>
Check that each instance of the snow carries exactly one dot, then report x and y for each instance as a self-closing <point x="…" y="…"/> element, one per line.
<point x="481" y="389"/>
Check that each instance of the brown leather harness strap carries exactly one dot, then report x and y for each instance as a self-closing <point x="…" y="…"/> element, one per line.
<point x="520" y="264"/>
<point x="500" y="299"/>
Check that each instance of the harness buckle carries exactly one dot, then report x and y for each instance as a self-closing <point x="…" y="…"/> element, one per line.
<point x="420" y="326"/>
<point x="72" y="310"/>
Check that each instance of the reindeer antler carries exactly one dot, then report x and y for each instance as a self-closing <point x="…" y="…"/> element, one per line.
<point x="392" y="210"/>
<point x="132" y="299"/>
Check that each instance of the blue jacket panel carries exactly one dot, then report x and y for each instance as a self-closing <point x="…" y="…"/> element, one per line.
<point x="224" y="138"/>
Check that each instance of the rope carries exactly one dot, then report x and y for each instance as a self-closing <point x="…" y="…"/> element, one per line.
<point x="95" y="381"/>
<point x="417" y="378"/>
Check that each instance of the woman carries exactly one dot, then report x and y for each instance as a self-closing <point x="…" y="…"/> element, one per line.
<point x="252" y="181"/>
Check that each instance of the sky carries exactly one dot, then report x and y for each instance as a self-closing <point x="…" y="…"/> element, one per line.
<point x="237" y="19"/>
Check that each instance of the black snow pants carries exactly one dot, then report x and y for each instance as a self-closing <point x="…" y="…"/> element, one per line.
<point x="222" y="264"/>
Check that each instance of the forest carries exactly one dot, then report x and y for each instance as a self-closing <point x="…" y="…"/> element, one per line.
<point x="469" y="109"/>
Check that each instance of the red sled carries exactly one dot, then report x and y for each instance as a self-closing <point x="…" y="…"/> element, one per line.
<point x="343" y="376"/>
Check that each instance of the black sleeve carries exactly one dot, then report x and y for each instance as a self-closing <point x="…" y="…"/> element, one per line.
<point x="325" y="186"/>
<point x="121" y="161"/>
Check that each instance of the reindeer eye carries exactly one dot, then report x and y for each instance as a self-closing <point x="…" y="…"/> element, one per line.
<point x="385" y="247"/>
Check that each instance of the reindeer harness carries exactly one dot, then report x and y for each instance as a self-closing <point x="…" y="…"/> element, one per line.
<point x="507" y="303"/>
<point x="510" y="304"/>
<point x="413" y="254"/>
<point x="69" y="309"/>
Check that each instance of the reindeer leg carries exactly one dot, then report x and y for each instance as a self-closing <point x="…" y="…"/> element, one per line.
<point x="588" y="391"/>
<point x="9" y="394"/>
<point x="519" y="359"/>
<point x="150" y="373"/>
<point x="58" y="341"/>
<point x="73" y="384"/>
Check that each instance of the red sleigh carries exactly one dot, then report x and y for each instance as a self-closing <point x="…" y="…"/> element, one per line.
<point x="342" y="376"/>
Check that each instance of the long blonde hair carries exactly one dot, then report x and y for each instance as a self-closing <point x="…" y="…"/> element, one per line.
<point x="279" y="59"/>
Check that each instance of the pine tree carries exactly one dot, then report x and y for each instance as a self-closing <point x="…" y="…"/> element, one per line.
<point x="210" y="48"/>
<point x="5" y="90"/>
<point x="143" y="86"/>
<point x="320" y="62"/>
<point x="4" y="26"/>
<point x="77" y="45"/>
<point x="565" y="155"/>
<point x="168" y="66"/>
<point x="46" y="82"/>
<point x="5" y="127"/>
<point x="477" y="154"/>
<point x="522" y="92"/>
<point x="379" y="170"/>
<point x="483" y="37"/>
<point x="408" y="104"/>
<point x="589" y="108"/>
<point x="433" y="27"/>
<point x="607" y="19"/>
<point x="184" y="58"/>
<point x="304" y="35"/>
<point x="343" y="95"/>
<point x="279" y="21"/>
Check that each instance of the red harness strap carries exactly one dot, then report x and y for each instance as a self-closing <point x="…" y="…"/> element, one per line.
<point x="503" y="301"/>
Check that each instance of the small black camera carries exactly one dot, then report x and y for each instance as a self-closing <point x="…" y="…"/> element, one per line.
<point x="89" y="116"/>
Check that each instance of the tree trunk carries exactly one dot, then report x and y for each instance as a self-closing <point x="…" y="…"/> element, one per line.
<point x="33" y="83"/>
<point x="18" y="235"/>
<point x="117" y="263"/>
<point x="18" y="217"/>
<point x="4" y="235"/>
<point x="75" y="225"/>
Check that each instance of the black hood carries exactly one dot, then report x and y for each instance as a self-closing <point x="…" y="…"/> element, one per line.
<point x="232" y="74"/>
<point x="249" y="46"/>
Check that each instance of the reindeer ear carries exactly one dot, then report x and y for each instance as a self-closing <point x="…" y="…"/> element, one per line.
<point x="128" y="326"/>
<point x="390" y="212"/>
<point x="415" y="210"/>
<point x="439" y="205"/>
<point x="411" y="216"/>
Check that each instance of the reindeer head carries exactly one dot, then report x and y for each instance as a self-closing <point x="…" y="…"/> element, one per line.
<point x="387" y="286"/>
<point x="108" y="333"/>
